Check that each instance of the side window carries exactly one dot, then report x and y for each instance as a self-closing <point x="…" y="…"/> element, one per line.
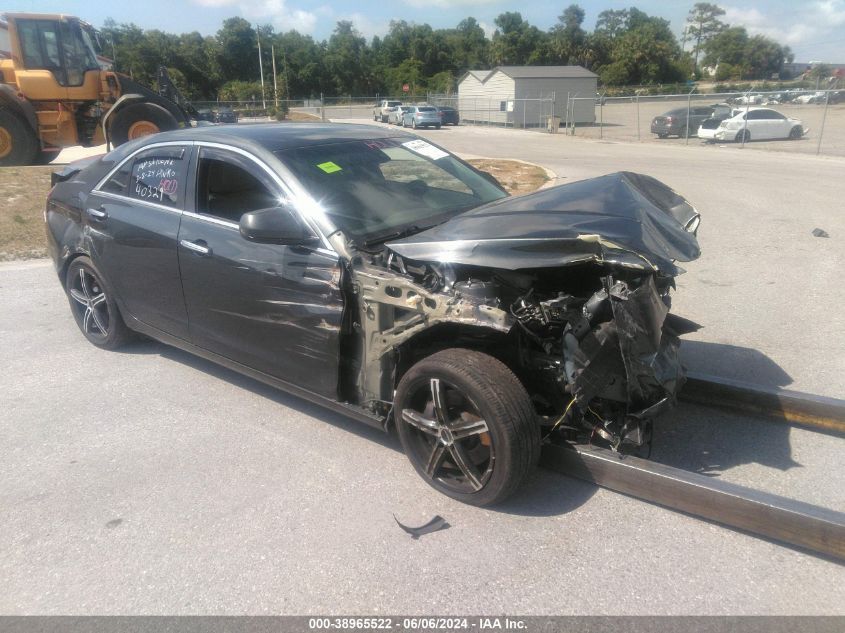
<point x="158" y="175"/>
<point x="229" y="185"/>
<point x="757" y="115"/>
<point x="39" y="41"/>
<point x="119" y="182"/>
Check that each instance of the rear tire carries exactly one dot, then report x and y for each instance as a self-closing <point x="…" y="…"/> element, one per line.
<point x="140" y="119"/>
<point x="482" y="441"/>
<point x="744" y="136"/>
<point x="18" y="143"/>
<point x="436" y="127"/>
<point x="93" y="306"/>
<point x="662" y="136"/>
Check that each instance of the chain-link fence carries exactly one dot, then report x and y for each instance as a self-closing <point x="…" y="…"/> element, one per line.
<point x="802" y="121"/>
<point x="728" y="118"/>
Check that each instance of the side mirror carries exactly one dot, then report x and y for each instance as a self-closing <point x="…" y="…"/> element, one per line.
<point x="277" y="225"/>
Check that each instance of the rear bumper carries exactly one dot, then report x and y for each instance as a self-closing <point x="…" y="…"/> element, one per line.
<point x="707" y="134"/>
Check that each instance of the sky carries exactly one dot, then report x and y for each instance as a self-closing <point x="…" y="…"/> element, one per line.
<point x="814" y="29"/>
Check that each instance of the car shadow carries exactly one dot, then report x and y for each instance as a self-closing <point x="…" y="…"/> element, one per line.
<point x="691" y="437"/>
<point x="711" y="441"/>
<point x="546" y="494"/>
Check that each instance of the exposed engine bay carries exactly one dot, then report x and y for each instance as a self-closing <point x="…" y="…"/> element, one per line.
<point x="580" y="316"/>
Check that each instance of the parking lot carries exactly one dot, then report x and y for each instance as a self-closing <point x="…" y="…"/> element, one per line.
<point x="617" y="120"/>
<point x="149" y="481"/>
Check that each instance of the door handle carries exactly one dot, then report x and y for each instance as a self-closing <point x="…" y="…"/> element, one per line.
<point x="199" y="247"/>
<point x="99" y="214"/>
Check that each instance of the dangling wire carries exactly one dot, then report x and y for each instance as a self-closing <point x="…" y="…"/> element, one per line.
<point x="560" y="419"/>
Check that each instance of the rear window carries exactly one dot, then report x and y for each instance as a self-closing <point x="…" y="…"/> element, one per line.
<point x="426" y="109"/>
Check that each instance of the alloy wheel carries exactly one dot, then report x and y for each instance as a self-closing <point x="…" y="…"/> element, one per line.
<point x="89" y="303"/>
<point x="450" y="441"/>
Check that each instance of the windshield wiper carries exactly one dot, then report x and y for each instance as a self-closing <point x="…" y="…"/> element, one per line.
<point x="395" y="235"/>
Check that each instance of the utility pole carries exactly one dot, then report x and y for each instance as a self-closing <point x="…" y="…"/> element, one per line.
<point x="285" y="64"/>
<point x="275" y="87"/>
<point x="261" y="68"/>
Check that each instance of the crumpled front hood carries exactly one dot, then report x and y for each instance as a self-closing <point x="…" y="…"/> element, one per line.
<point x="623" y="218"/>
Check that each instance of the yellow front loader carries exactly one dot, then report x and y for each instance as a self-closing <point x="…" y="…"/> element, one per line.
<point x="55" y="92"/>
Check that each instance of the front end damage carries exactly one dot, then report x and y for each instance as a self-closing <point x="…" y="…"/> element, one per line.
<point x="569" y="287"/>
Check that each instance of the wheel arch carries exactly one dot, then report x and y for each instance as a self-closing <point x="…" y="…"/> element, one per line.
<point x="443" y="336"/>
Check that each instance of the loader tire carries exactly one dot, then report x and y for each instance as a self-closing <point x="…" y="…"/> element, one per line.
<point x="140" y="119"/>
<point x="18" y="143"/>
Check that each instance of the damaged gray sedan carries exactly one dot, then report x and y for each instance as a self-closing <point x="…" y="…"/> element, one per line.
<point x="381" y="276"/>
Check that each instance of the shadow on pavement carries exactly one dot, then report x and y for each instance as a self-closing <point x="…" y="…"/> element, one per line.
<point x="691" y="437"/>
<point x="710" y="441"/>
<point x="545" y="494"/>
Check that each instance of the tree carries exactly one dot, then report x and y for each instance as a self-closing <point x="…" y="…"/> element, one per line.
<point x="746" y="57"/>
<point x="632" y="47"/>
<point x="238" y="50"/>
<point x="611" y="23"/>
<point x="345" y="58"/>
<point x="516" y="42"/>
<point x="703" y="24"/>
<point x="568" y="39"/>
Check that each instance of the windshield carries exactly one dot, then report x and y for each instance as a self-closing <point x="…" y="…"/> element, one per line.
<point x="373" y="189"/>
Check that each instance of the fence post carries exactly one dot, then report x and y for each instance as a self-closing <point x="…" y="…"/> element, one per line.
<point x="601" y="115"/>
<point x="638" y="117"/>
<point x="689" y="103"/>
<point x="524" y="103"/>
<point x="745" y="120"/>
<point x="824" y="117"/>
<point x="322" y="108"/>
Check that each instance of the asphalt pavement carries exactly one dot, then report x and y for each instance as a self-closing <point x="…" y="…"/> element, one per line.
<point x="147" y="481"/>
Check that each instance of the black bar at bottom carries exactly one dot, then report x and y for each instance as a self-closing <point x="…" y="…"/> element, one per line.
<point x="810" y="527"/>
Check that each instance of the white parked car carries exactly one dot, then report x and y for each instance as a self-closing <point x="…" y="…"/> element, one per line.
<point x="756" y="124"/>
<point x="395" y="115"/>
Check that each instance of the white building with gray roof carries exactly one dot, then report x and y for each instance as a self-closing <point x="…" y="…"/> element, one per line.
<point x="525" y="96"/>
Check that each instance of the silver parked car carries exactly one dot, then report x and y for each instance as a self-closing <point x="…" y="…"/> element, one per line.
<point x="421" y="116"/>
<point x="394" y="115"/>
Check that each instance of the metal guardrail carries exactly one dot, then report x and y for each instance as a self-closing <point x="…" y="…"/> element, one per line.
<point x="809" y="527"/>
<point x="819" y="413"/>
<point x="800" y="524"/>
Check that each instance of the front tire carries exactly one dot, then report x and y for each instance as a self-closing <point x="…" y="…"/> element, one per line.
<point x="467" y="426"/>
<point x="796" y="133"/>
<point x="93" y="306"/>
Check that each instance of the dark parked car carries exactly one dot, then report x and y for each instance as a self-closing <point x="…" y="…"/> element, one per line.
<point x="205" y="114"/>
<point x="379" y="275"/>
<point x="448" y="115"/>
<point x="674" y="122"/>
<point x="225" y="115"/>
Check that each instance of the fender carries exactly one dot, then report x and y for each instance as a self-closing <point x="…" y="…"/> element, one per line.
<point x="10" y="100"/>
<point x="128" y="85"/>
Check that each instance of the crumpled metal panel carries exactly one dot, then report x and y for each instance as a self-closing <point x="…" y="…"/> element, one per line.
<point x="633" y="358"/>
<point x="624" y="218"/>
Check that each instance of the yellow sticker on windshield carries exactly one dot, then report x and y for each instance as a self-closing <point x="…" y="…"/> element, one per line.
<point x="329" y="167"/>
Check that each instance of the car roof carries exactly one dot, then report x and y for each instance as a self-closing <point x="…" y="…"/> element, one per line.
<point x="276" y="136"/>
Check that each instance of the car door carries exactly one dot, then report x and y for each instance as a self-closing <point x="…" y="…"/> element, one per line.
<point x="274" y="308"/>
<point x="779" y="124"/>
<point x="133" y="221"/>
